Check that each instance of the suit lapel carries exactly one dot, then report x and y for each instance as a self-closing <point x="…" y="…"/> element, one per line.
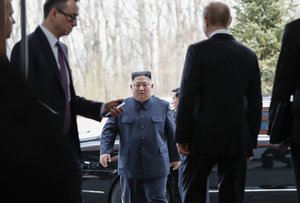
<point x="51" y="60"/>
<point x="52" y="64"/>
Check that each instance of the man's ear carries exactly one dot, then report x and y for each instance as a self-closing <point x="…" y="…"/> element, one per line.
<point x="130" y="86"/>
<point x="229" y="22"/>
<point x="52" y="13"/>
<point x="152" y="85"/>
<point x="206" y="23"/>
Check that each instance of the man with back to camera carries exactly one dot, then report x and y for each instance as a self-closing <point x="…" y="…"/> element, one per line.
<point x="286" y="84"/>
<point x="220" y="78"/>
<point x="50" y="81"/>
<point x="180" y="171"/>
<point x="147" y="143"/>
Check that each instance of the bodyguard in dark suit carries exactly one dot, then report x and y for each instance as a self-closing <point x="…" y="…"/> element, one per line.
<point x="50" y="81"/>
<point x="287" y="84"/>
<point x="220" y="78"/>
<point x="147" y="143"/>
<point x="25" y="156"/>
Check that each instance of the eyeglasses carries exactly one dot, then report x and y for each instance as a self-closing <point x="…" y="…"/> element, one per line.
<point x="138" y="85"/>
<point x="69" y="17"/>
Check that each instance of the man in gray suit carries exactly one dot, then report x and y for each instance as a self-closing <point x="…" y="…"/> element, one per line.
<point x="147" y="143"/>
<point x="219" y="112"/>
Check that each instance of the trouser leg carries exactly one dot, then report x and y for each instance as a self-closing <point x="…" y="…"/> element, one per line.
<point x="195" y="178"/>
<point x="295" y="152"/>
<point x="155" y="190"/>
<point x="132" y="190"/>
<point x="232" y="179"/>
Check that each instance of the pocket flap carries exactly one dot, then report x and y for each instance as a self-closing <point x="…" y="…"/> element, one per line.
<point x="157" y="119"/>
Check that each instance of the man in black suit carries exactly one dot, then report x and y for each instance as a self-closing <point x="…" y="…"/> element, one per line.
<point x="50" y="81"/>
<point x="287" y="84"/>
<point x="221" y="79"/>
<point x="26" y="158"/>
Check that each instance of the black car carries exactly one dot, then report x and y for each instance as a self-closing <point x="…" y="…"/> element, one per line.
<point x="270" y="178"/>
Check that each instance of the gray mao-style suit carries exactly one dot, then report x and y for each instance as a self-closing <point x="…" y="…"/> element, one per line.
<point x="147" y="146"/>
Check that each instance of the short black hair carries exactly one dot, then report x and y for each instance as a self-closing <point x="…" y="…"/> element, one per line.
<point x="49" y="4"/>
<point x="176" y="91"/>
<point x="145" y="73"/>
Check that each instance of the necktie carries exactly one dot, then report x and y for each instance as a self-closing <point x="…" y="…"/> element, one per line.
<point x="65" y="85"/>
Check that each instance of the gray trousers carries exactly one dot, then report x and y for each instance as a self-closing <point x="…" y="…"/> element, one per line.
<point x="143" y="190"/>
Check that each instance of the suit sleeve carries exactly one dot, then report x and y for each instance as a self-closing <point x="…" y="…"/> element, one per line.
<point x="88" y="108"/>
<point x="189" y="83"/>
<point x="170" y="134"/>
<point x="108" y="136"/>
<point x="286" y="70"/>
<point x="254" y="104"/>
<point x="287" y="66"/>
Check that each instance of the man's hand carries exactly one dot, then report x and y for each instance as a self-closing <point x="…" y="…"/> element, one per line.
<point x="111" y="107"/>
<point x="104" y="158"/>
<point x="175" y="165"/>
<point x="183" y="149"/>
<point x="249" y="158"/>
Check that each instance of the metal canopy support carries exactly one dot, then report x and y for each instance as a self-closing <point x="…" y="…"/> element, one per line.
<point x="24" y="41"/>
<point x="2" y="28"/>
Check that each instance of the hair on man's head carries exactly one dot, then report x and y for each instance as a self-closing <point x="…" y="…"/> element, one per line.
<point x="176" y="91"/>
<point x="140" y="73"/>
<point x="49" y="4"/>
<point x="218" y="13"/>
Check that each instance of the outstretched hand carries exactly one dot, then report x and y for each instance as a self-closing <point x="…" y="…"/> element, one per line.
<point x="112" y="109"/>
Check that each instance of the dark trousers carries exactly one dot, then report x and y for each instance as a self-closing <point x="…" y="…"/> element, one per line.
<point x="143" y="190"/>
<point x="295" y="152"/>
<point x="71" y="169"/>
<point x="231" y="174"/>
<point x="180" y="181"/>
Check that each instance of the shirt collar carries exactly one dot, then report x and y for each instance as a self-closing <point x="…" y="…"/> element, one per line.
<point x="51" y="38"/>
<point x="145" y="104"/>
<point x="219" y="31"/>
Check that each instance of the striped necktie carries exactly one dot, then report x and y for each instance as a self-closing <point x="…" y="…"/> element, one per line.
<point x="65" y="85"/>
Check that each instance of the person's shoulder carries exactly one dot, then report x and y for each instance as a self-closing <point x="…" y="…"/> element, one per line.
<point x="199" y="47"/>
<point x="295" y="24"/>
<point x="128" y="100"/>
<point x="160" y="100"/>
<point x="199" y="43"/>
<point x="243" y="47"/>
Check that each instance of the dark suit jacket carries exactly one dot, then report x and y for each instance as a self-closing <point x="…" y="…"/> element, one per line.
<point x="220" y="79"/>
<point x="287" y="76"/>
<point x="44" y="82"/>
<point x="30" y="152"/>
<point x="147" y="139"/>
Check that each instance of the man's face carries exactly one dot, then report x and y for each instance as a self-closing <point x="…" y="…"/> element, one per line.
<point x="175" y="102"/>
<point x="9" y="20"/>
<point x="141" y="88"/>
<point x="66" y="18"/>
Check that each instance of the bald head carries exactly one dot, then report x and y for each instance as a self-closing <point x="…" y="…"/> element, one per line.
<point x="218" y="14"/>
<point x="9" y="20"/>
